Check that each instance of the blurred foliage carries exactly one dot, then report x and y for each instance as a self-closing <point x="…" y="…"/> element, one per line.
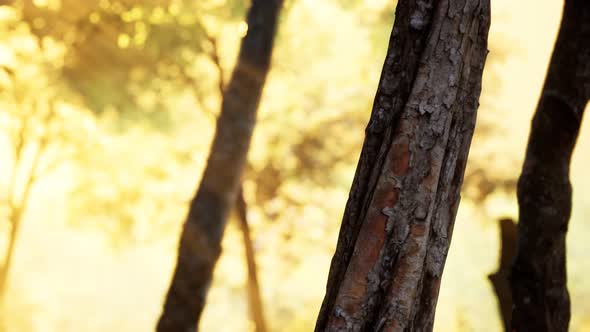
<point x="131" y="55"/>
<point x="133" y="89"/>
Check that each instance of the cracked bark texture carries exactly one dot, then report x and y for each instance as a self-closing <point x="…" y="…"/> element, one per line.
<point x="397" y="225"/>
<point x="539" y="279"/>
<point x="200" y="241"/>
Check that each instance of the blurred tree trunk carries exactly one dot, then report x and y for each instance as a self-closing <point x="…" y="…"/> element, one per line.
<point x="539" y="280"/>
<point x="19" y="193"/>
<point x="254" y="296"/>
<point x="200" y="242"/>
<point x="396" y="230"/>
<point x="15" y="218"/>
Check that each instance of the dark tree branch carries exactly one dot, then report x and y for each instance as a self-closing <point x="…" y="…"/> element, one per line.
<point x="539" y="278"/>
<point x="214" y="57"/>
<point x="501" y="279"/>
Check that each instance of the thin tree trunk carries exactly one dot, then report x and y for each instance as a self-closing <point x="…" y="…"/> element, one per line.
<point x="539" y="279"/>
<point x="18" y="204"/>
<point x="15" y="221"/>
<point x="200" y="242"/>
<point x="15" y="218"/>
<point x="501" y="279"/>
<point x="254" y="297"/>
<point x="396" y="231"/>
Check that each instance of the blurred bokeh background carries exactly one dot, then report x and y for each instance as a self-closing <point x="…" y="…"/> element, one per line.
<point x="107" y="111"/>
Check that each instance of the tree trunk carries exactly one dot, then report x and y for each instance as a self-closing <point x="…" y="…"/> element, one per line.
<point x="17" y="204"/>
<point x="396" y="230"/>
<point x="254" y="296"/>
<point x="15" y="218"/>
<point x="200" y="242"/>
<point x="539" y="280"/>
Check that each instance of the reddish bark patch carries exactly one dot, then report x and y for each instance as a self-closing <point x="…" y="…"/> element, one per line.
<point x="370" y="242"/>
<point x="431" y="180"/>
<point x="367" y="250"/>
<point x="386" y="198"/>
<point x="400" y="156"/>
<point x="418" y="229"/>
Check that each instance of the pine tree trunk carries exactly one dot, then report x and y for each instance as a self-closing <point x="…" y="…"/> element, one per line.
<point x="539" y="279"/>
<point x="200" y="242"/>
<point x="396" y="230"/>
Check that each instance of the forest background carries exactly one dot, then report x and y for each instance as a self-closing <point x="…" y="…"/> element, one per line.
<point x="107" y="111"/>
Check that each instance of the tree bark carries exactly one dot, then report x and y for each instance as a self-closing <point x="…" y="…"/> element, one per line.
<point x="200" y="242"/>
<point x="396" y="230"/>
<point x="539" y="279"/>
<point x="254" y="296"/>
